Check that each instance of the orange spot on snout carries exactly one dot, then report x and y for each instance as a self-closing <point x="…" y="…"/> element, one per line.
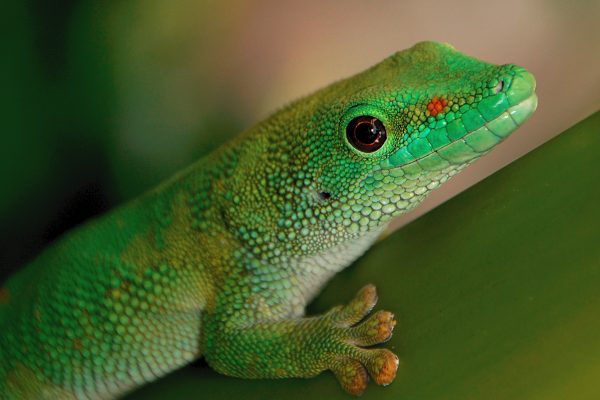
<point x="436" y="105"/>
<point x="4" y="295"/>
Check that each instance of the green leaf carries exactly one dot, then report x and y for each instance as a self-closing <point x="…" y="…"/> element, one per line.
<point x="497" y="291"/>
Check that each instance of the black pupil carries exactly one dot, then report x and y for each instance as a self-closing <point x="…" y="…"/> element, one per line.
<point x="366" y="133"/>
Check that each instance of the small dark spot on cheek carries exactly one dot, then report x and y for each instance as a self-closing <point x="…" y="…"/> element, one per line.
<point x="324" y="196"/>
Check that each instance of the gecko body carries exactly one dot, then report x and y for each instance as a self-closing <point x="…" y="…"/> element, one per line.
<point x="220" y="260"/>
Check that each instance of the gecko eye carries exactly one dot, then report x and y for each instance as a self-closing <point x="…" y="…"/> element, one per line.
<point x="366" y="133"/>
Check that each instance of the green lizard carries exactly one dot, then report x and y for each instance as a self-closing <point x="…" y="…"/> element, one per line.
<point x="220" y="260"/>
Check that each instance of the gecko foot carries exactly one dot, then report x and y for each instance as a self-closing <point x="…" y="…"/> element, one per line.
<point x="352" y="361"/>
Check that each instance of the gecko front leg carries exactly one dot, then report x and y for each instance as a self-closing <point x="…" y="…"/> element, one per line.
<point x="304" y="347"/>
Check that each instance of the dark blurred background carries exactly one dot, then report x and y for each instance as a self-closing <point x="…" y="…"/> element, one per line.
<point x="102" y="100"/>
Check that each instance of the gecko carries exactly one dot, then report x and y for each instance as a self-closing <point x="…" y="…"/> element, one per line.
<point x="220" y="260"/>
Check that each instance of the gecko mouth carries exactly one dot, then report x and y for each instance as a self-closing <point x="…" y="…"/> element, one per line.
<point x="450" y="147"/>
<point x="404" y="179"/>
<point x="475" y="144"/>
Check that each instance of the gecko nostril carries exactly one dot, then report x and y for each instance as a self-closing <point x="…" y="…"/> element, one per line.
<point x="499" y="86"/>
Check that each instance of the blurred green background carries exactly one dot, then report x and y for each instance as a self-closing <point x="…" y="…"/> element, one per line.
<point x="102" y="100"/>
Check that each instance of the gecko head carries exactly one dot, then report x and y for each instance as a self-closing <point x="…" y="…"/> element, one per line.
<point x="343" y="162"/>
<point x="408" y="124"/>
<point x="415" y="120"/>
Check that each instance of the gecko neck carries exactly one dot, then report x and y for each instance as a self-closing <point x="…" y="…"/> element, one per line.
<point x="314" y="271"/>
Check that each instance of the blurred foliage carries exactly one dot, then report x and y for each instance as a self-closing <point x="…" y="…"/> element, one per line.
<point x="496" y="291"/>
<point x="53" y="167"/>
<point x="99" y="106"/>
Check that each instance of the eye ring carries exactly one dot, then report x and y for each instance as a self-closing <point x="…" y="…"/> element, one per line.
<point x="366" y="133"/>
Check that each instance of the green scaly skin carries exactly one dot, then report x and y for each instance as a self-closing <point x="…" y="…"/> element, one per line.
<point x="221" y="260"/>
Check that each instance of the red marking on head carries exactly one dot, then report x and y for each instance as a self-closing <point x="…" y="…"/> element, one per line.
<point x="4" y="295"/>
<point x="436" y="106"/>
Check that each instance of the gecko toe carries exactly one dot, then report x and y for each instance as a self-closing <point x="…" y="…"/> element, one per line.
<point x="359" y="307"/>
<point x="382" y="365"/>
<point x="376" y="329"/>
<point x="352" y="376"/>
